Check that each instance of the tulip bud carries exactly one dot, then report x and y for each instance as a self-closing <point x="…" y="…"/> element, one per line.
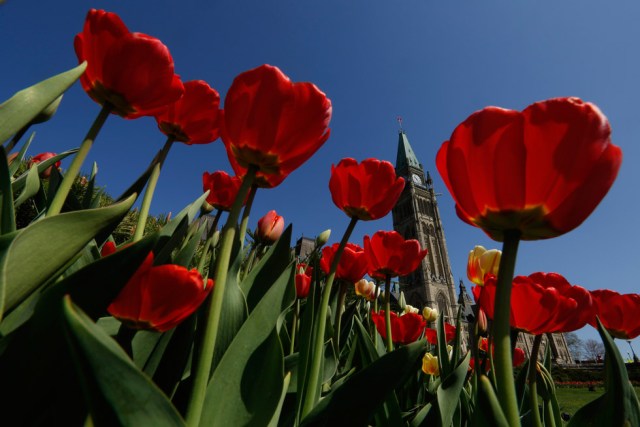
<point x="430" y="314"/>
<point x="410" y="309"/>
<point x="482" y="262"/>
<point x="482" y="321"/>
<point x="430" y="365"/>
<point x="401" y="301"/>
<point x="483" y="344"/>
<point x="323" y="238"/>
<point x="45" y="174"/>
<point x="366" y="289"/>
<point x="270" y="228"/>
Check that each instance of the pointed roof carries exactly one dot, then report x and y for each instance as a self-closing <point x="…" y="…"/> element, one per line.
<point x="405" y="157"/>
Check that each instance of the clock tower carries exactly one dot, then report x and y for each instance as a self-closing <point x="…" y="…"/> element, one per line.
<point x="416" y="216"/>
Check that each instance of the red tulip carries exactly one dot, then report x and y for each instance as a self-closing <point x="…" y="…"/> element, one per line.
<point x="617" y="312"/>
<point x="405" y="329"/>
<point x="272" y="123"/>
<point x="541" y="303"/>
<point x="541" y="171"/>
<point x="223" y="189"/>
<point x="432" y="334"/>
<point x="353" y="262"/>
<point x="368" y="190"/>
<point x="518" y="357"/>
<point x="192" y="119"/>
<point x="159" y="297"/>
<point x="131" y="71"/>
<point x="41" y="158"/>
<point x="108" y="248"/>
<point x="303" y="280"/>
<point x="388" y="254"/>
<point x="270" y="228"/>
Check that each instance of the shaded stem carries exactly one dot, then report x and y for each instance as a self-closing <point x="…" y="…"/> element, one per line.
<point x="202" y="370"/>
<point x="294" y="326"/>
<point x="533" y="388"/>
<point x="503" y="359"/>
<point x="337" y="321"/>
<point x="245" y="214"/>
<point x="78" y="160"/>
<point x="151" y="188"/>
<point x="321" y="322"/>
<point x="387" y="313"/>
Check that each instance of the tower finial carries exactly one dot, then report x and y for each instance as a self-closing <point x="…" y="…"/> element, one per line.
<point x="399" y="120"/>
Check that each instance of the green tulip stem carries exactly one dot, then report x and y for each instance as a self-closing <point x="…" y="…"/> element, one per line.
<point x="209" y="242"/>
<point x="202" y="370"/>
<point x="245" y="214"/>
<point x="342" y="294"/>
<point x="311" y="392"/>
<point x="74" y="169"/>
<point x="387" y="313"/>
<point x="503" y="358"/>
<point x="151" y="188"/>
<point x="532" y="375"/>
<point x="294" y="326"/>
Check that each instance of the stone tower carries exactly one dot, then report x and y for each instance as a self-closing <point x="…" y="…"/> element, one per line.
<point x="416" y="216"/>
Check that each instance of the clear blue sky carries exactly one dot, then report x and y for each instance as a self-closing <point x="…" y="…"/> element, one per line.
<point x="433" y="63"/>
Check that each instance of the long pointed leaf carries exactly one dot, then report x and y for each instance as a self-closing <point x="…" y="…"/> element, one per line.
<point x="7" y="214"/>
<point x="117" y="392"/>
<point x="246" y="386"/>
<point x="349" y="405"/>
<point x="31" y="187"/>
<point x="19" y="110"/>
<point x="42" y="248"/>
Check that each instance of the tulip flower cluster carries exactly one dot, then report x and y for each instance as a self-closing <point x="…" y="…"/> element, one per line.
<point x="219" y="314"/>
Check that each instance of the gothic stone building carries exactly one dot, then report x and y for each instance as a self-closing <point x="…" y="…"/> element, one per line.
<point x="416" y="216"/>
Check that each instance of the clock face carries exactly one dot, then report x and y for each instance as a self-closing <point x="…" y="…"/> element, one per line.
<point x="416" y="178"/>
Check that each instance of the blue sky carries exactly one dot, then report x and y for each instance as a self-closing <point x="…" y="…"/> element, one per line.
<point x="433" y="63"/>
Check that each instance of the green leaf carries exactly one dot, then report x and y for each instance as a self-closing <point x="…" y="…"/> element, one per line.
<point x="443" y="354"/>
<point x="7" y="214"/>
<point x="276" y="414"/>
<point x="15" y="165"/>
<point x="234" y="309"/>
<point x="48" y="382"/>
<point x="89" y="199"/>
<point x="291" y="365"/>
<point x="19" y="110"/>
<point x="488" y="412"/>
<point x="450" y="389"/>
<point x="270" y="267"/>
<point x="246" y="386"/>
<point x="184" y="255"/>
<point x="117" y="393"/>
<point x="32" y="185"/>
<point x="618" y="406"/>
<point x="41" y="249"/>
<point x="357" y="399"/>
